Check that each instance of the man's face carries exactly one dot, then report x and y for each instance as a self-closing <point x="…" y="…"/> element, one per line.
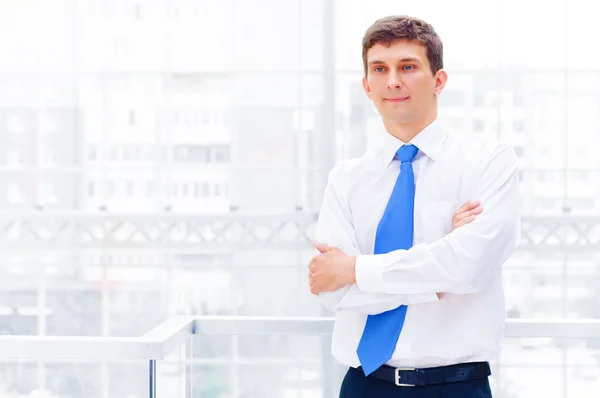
<point x="400" y="83"/>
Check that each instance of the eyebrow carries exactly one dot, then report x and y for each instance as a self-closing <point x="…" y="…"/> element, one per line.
<point x="408" y="59"/>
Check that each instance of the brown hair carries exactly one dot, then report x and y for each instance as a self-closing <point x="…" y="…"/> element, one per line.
<point x="388" y="29"/>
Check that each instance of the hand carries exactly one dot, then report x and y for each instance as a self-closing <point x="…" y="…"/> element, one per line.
<point x="466" y="214"/>
<point x="330" y="270"/>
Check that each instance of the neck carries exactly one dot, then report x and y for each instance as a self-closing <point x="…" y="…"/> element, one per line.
<point x="409" y="130"/>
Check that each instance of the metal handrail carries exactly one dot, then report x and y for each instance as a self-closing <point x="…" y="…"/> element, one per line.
<point x="171" y="334"/>
<point x="174" y="332"/>
<point x="322" y="326"/>
<point x="154" y="345"/>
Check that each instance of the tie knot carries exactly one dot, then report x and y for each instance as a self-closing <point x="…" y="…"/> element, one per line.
<point x="407" y="153"/>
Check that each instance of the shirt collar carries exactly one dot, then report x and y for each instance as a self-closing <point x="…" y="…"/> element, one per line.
<point x="429" y="141"/>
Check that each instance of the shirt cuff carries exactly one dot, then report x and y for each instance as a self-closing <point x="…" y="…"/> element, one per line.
<point x="369" y="273"/>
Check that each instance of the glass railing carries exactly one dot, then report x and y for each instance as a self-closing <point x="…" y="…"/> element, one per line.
<point x="536" y="352"/>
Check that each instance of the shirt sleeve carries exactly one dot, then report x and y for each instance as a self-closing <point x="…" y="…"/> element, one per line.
<point x="334" y="227"/>
<point x="465" y="260"/>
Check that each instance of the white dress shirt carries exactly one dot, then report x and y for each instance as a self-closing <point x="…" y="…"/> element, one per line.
<point x="466" y="323"/>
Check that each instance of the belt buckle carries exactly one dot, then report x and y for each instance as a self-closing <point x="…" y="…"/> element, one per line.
<point x="397" y="378"/>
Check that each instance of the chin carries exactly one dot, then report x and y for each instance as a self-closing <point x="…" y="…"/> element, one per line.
<point x="398" y="118"/>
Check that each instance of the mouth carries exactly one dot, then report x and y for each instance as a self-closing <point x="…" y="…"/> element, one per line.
<point x="397" y="99"/>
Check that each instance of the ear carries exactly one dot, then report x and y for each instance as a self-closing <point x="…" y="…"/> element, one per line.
<point x="441" y="77"/>
<point x="366" y="86"/>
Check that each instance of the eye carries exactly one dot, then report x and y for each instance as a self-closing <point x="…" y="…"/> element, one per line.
<point x="409" y="67"/>
<point x="379" y="69"/>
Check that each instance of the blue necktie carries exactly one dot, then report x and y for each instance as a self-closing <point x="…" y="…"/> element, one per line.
<point x="395" y="231"/>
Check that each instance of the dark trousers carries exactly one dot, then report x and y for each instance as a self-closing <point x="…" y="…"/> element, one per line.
<point x="356" y="385"/>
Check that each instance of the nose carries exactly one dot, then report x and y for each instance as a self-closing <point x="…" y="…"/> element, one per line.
<point x="394" y="81"/>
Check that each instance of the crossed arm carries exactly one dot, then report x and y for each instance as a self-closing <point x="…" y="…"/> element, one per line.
<point x="462" y="262"/>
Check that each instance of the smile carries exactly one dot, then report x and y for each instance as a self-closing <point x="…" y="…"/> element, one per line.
<point x="397" y="99"/>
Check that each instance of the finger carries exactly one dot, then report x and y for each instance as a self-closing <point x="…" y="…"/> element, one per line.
<point x="314" y="288"/>
<point x="465" y="221"/>
<point x="458" y="217"/>
<point x="314" y="263"/>
<point x="321" y="247"/>
<point x="462" y="222"/>
<point x="462" y="210"/>
<point x="313" y="280"/>
<point x="464" y="207"/>
<point x="476" y="211"/>
<point x="469" y="205"/>
<point x="461" y="215"/>
<point x="474" y="203"/>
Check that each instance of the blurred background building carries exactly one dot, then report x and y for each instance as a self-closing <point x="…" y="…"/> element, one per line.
<point x="165" y="157"/>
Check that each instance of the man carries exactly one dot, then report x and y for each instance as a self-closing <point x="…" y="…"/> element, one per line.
<point x="417" y="294"/>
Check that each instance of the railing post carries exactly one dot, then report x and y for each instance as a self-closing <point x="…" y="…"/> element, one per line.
<point x="152" y="379"/>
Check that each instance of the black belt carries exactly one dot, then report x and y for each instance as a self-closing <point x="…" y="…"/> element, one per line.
<point x="408" y="377"/>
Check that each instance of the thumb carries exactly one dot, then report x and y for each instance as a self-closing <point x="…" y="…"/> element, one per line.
<point x="322" y="247"/>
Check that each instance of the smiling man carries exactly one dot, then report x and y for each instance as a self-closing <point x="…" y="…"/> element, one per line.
<point x="416" y="291"/>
